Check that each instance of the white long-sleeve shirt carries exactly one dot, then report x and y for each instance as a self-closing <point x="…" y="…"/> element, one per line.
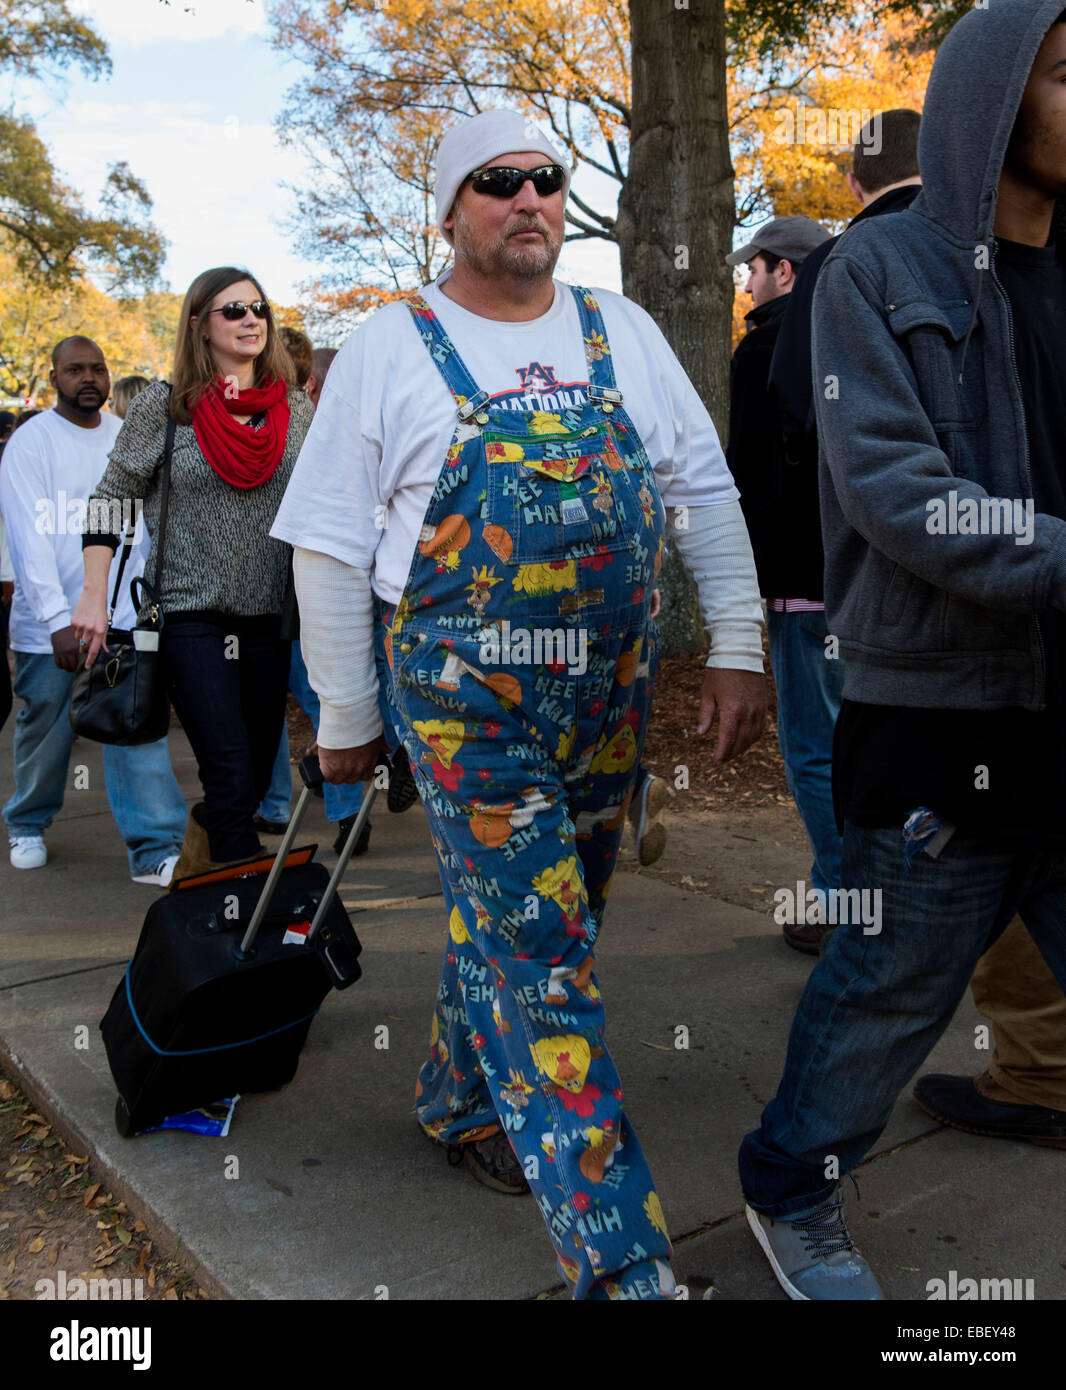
<point x="48" y="471"/>
<point x="364" y="478"/>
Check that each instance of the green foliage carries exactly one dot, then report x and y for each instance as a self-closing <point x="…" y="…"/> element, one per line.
<point x="55" y="235"/>
<point x="38" y="36"/>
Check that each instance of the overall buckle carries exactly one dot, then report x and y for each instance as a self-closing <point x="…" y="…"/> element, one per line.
<point x="471" y="406"/>
<point x="604" y="395"/>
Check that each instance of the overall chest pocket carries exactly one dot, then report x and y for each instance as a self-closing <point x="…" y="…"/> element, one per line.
<point x="552" y="496"/>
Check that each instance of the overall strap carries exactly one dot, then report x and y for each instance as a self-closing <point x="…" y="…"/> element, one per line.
<point x="468" y="395"/>
<point x="602" y="385"/>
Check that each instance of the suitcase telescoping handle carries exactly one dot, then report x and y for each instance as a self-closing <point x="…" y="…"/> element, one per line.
<point x="311" y="776"/>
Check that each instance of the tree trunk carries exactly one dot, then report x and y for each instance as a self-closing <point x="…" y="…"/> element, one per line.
<point x="675" y="220"/>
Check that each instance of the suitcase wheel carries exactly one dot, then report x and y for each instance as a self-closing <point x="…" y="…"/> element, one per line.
<point x="123" y="1119"/>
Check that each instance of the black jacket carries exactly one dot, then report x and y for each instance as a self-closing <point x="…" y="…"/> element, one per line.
<point x="786" y="543"/>
<point x="775" y="457"/>
<point x="790" y="370"/>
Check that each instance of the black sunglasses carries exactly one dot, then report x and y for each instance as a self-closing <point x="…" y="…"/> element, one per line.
<point x="504" y="182"/>
<point x="237" y="309"/>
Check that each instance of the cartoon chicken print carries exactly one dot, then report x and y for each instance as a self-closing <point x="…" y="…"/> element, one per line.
<point x="564" y="1062"/>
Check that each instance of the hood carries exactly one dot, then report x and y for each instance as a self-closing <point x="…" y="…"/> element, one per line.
<point x="972" y="99"/>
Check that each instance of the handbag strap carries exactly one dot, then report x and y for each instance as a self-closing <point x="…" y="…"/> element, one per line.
<point x="164" y="506"/>
<point x="127" y="546"/>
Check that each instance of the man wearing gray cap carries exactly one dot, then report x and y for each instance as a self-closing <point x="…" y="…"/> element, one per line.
<point x="489" y="469"/>
<point x="781" y="510"/>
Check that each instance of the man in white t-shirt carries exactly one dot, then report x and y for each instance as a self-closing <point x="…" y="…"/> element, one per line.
<point x="50" y="467"/>
<point x="486" y="466"/>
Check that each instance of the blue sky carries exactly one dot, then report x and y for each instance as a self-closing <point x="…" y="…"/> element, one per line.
<point x="190" y="106"/>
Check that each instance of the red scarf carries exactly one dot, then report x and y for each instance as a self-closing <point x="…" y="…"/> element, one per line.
<point x="240" y="455"/>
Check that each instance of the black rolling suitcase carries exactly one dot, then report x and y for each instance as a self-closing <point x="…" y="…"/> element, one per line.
<point x="225" y="981"/>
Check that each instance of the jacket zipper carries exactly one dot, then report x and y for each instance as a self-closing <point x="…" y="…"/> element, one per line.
<point x="1041" y="669"/>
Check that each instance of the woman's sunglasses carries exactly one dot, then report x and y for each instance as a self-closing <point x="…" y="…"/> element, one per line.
<point x="237" y="309"/>
<point x="503" y="182"/>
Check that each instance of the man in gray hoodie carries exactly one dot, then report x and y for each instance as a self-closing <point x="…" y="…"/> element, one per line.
<point x="940" y="371"/>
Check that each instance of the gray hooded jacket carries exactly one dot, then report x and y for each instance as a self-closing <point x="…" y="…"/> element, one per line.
<point x="917" y="396"/>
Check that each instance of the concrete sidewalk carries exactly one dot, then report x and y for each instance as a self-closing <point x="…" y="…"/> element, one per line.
<point x="339" y="1195"/>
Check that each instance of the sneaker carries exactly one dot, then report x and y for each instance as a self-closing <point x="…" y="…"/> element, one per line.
<point x="645" y="816"/>
<point x="28" y="852"/>
<point x="806" y="937"/>
<point x="403" y="790"/>
<point x="958" y="1101"/>
<point x="344" y="829"/>
<point x="270" y="827"/>
<point x="159" y="878"/>
<point x="812" y="1255"/>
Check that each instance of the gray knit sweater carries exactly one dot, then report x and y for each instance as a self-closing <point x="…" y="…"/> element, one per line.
<point x="219" y="553"/>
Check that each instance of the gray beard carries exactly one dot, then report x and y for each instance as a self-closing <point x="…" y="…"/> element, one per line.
<point x="501" y="257"/>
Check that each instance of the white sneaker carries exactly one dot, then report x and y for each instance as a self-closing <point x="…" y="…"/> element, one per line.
<point x="162" y="876"/>
<point x="28" y="852"/>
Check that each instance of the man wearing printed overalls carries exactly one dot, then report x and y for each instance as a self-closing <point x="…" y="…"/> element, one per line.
<point x="483" y="491"/>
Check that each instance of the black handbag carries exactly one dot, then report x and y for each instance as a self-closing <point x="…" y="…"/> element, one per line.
<point x="123" y="699"/>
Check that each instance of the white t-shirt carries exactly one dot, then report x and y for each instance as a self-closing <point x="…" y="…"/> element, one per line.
<point x="50" y="467"/>
<point x="367" y="469"/>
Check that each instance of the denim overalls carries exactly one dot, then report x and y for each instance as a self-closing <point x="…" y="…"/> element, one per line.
<point x="522" y="660"/>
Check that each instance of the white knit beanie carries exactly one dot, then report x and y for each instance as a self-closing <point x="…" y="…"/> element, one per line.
<point x="480" y="138"/>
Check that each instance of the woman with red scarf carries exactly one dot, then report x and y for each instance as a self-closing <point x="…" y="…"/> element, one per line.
<point x="239" y="423"/>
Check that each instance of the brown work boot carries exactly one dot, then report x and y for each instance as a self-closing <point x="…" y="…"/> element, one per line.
<point x="494" y="1162"/>
<point x="491" y="1159"/>
<point x="195" y="858"/>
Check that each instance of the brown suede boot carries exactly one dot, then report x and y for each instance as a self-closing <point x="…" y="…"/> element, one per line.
<point x="195" y="858"/>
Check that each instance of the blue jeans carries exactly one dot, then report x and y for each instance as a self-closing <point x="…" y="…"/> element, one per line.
<point x="877" y="1002"/>
<point x="143" y="792"/>
<point x="343" y="800"/>
<point x="809" y="691"/>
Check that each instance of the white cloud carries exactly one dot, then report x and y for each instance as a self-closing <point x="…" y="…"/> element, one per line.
<point x="182" y="21"/>
<point x="214" y="184"/>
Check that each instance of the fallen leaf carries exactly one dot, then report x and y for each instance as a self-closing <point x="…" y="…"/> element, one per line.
<point x="72" y="1158"/>
<point x="139" y="1225"/>
<point x="87" y="1199"/>
<point x="6" y="1090"/>
<point x="151" y="1277"/>
<point x="123" y="1235"/>
<point x="53" y="1254"/>
<point x="658" y="1046"/>
<point x="36" y="1245"/>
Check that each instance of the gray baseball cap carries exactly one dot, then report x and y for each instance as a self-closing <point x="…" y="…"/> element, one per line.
<point x="794" y="238"/>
